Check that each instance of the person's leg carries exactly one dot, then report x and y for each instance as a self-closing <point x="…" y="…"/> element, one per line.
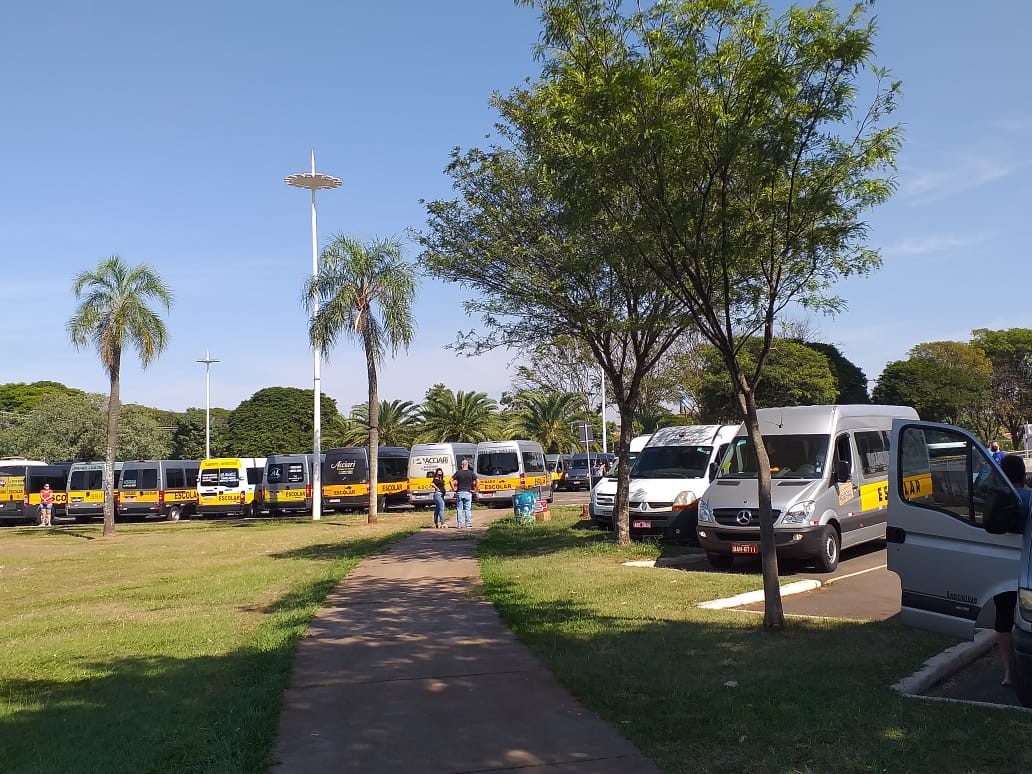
<point x="1005" y="603"/>
<point x="464" y="505"/>
<point x="469" y="509"/>
<point x="438" y="509"/>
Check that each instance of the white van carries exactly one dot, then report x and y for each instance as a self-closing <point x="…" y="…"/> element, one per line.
<point x="425" y="458"/>
<point x="506" y="468"/>
<point x="230" y="485"/>
<point x="943" y="488"/>
<point x="669" y="476"/>
<point x="829" y="468"/>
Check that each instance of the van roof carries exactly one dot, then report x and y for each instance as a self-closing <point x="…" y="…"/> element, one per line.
<point x="823" y="419"/>
<point x="688" y="435"/>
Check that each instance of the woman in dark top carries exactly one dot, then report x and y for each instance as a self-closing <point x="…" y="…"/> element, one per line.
<point x="438" y="483"/>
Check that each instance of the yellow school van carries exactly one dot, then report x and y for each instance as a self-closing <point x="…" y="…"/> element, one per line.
<point x="85" y="489"/>
<point x="506" y="468"/>
<point x="229" y="486"/>
<point x="20" y="483"/>
<point x="345" y="477"/>
<point x="287" y="484"/>
<point x="425" y="458"/>
<point x="163" y="488"/>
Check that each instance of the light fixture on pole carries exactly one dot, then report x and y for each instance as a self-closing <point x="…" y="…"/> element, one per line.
<point x="208" y="360"/>
<point x="313" y="181"/>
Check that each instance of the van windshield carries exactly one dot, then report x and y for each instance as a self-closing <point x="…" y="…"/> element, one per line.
<point x="791" y="456"/>
<point x="500" y="463"/>
<point x="672" y="462"/>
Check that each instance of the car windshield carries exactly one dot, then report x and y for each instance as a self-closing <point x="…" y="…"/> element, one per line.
<point x="672" y="462"/>
<point x="791" y="456"/>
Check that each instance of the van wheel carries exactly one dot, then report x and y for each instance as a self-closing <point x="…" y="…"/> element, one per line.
<point x="720" y="561"/>
<point x="1022" y="679"/>
<point x="174" y="513"/>
<point x="827" y="559"/>
<point x="381" y="504"/>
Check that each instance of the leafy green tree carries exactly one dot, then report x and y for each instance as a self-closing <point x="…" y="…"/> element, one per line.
<point x="852" y="381"/>
<point x="464" y="416"/>
<point x="795" y="375"/>
<point x="188" y="435"/>
<point x="547" y="417"/>
<point x="66" y="426"/>
<point x="275" y="420"/>
<point x="724" y="146"/>
<point x="141" y="436"/>
<point x="941" y="380"/>
<point x="1010" y="352"/>
<point x="113" y="313"/>
<point x="365" y="292"/>
<point x="20" y="397"/>
<point x="400" y="422"/>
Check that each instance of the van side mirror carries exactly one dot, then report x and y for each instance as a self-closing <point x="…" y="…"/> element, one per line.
<point x="843" y="471"/>
<point x="712" y="471"/>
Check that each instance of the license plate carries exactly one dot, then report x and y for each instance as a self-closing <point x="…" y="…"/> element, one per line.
<point x="334" y="500"/>
<point x="745" y="548"/>
<point x="76" y="499"/>
<point x="128" y="498"/>
<point x="641" y="524"/>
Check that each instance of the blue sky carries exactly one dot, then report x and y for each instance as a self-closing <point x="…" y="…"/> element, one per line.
<point x="163" y="132"/>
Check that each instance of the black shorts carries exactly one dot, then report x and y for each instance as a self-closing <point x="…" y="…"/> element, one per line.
<point x="1005" y="602"/>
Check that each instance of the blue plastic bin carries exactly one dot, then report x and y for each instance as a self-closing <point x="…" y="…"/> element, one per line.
<point x="523" y="506"/>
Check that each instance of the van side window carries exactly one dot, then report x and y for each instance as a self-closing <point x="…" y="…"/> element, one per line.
<point x="254" y="476"/>
<point x="842" y="451"/>
<point x="174" y="478"/>
<point x="295" y="473"/>
<point x="873" y="451"/>
<point x="533" y="462"/>
<point x="943" y="471"/>
<point x="191" y="478"/>
<point x="130" y="479"/>
<point x="274" y="473"/>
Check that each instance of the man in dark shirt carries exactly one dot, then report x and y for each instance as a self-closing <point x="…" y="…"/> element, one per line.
<point x="464" y="482"/>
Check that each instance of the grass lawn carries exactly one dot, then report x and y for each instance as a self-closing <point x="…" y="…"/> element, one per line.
<point x="167" y="647"/>
<point x="709" y="691"/>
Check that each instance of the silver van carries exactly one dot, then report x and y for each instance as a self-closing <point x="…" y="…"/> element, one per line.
<point x="829" y="467"/>
<point x="505" y="468"/>
<point x="287" y="484"/>
<point x="944" y="493"/>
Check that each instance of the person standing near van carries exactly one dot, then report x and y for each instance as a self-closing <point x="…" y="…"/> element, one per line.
<point x="46" y="506"/>
<point x="1013" y="468"/>
<point x="464" y="482"/>
<point x="437" y="482"/>
<point x="997" y="454"/>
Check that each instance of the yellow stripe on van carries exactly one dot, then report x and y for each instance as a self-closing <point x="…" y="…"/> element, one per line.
<point x="60" y="498"/>
<point x="285" y="496"/>
<point x="392" y="487"/>
<point x="12" y="488"/>
<point x="538" y="480"/>
<point x="346" y="490"/>
<point x="180" y="495"/>
<point x="420" y="484"/>
<point x="497" y="484"/>
<point x="138" y="496"/>
<point x="226" y="498"/>
<point x="875" y="496"/>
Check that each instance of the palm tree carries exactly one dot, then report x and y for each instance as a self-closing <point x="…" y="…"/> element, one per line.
<point x="547" y="417"/>
<point x="399" y="421"/>
<point x="111" y="314"/>
<point x="465" y="416"/>
<point x="365" y="292"/>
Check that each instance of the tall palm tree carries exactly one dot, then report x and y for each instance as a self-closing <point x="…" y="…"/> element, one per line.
<point x="365" y="293"/>
<point x="399" y="421"/>
<point x="112" y="312"/>
<point x="465" y="416"/>
<point x="547" y="417"/>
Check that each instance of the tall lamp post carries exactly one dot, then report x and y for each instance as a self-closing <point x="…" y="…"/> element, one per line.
<point x="208" y="360"/>
<point x="313" y="181"/>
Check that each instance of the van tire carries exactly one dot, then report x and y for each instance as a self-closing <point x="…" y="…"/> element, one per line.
<point x="828" y="558"/>
<point x="720" y="561"/>
<point x="174" y="513"/>
<point x="1022" y="681"/>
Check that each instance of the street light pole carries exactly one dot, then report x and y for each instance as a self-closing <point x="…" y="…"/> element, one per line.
<point x="208" y="360"/>
<point x="605" y="448"/>
<point x="314" y="181"/>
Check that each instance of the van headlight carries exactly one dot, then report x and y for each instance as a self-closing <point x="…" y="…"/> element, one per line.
<point x="705" y="513"/>
<point x="686" y="499"/>
<point x="799" y="513"/>
<point x="1025" y="604"/>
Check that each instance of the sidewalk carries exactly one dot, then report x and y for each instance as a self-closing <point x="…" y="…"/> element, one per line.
<point x="402" y="671"/>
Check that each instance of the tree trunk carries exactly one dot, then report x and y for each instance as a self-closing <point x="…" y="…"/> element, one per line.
<point x="773" y="611"/>
<point x="374" y="428"/>
<point x="621" y="517"/>
<point x="112" y="443"/>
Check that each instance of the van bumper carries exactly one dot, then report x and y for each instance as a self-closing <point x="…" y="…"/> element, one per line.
<point x="501" y="496"/>
<point x="669" y="525"/>
<point x="236" y="509"/>
<point x="791" y="544"/>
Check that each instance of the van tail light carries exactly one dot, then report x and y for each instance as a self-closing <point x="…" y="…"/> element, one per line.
<point x="161" y="497"/>
<point x="243" y="498"/>
<point x="265" y="492"/>
<point x="308" y="491"/>
<point x="26" y="501"/>
<point x="523" y="480"/>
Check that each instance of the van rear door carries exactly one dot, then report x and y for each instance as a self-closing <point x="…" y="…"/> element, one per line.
<point x="941" y="484"/>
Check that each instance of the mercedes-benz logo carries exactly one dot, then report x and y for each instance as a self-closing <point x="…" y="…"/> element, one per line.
<point x="743" y="517"/>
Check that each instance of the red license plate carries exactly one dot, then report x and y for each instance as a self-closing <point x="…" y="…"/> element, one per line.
<point x="641" y="524"/>
<point x="745" y="548"/>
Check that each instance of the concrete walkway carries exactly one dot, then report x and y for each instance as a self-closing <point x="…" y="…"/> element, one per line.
<point x="404" y="670"/>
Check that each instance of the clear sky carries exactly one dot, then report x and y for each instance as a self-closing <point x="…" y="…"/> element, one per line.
<point x="163" y="132"/>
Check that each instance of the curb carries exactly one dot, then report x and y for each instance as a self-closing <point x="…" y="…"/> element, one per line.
<point x="945" y="664"/>
<point x="749" y="597"/>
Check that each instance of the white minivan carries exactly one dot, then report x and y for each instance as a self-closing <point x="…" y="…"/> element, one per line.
<point x="425" y="458"/>
<point x="944" y="492"/>
<point x="669" y="475"/>
<point x="829" y="466"/>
